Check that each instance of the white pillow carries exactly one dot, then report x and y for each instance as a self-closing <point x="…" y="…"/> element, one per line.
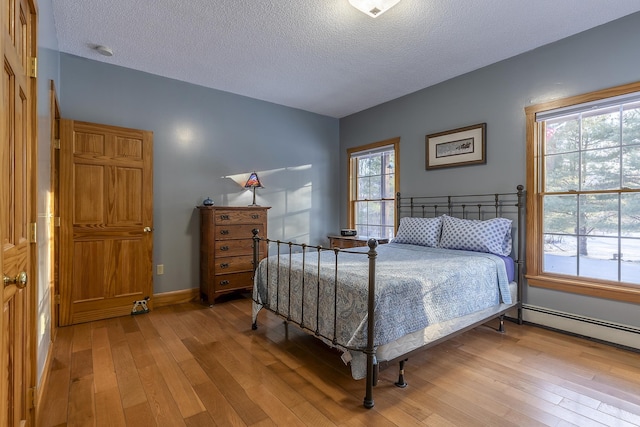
<point x="419" y="231"/>
<point x="492" y="236"/>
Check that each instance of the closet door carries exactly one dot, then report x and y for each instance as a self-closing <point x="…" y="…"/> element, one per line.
<point x="17" y="213"/>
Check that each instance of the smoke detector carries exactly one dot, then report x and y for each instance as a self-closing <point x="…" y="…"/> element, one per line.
<point x="103" y="50"/>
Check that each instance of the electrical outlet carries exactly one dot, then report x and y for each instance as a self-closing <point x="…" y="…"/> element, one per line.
<point x="160" y="269"/>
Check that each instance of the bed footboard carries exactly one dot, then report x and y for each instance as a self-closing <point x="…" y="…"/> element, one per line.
<point x="369" y="351"/>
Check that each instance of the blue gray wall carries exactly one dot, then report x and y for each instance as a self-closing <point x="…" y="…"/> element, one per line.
<point x="497" y="95"/>
<point x="206" y="143"/>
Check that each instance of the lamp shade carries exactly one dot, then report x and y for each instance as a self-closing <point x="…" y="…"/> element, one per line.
<point x="373" y="8"/>
<point x="253" y="181"/>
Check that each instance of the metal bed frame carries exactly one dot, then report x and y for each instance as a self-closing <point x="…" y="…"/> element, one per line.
<point x="482" y="206"/>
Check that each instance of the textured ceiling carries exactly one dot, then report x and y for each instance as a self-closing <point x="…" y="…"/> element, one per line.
<point x="322" y="56"/>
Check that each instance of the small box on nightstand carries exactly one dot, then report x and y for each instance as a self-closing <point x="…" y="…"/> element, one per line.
<point x="348" y="232"/>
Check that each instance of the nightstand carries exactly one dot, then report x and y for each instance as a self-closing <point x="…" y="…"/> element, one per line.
<point x="345" y="242"/>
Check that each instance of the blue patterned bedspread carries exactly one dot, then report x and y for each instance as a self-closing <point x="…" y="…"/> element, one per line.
<point x="416" y="286"/>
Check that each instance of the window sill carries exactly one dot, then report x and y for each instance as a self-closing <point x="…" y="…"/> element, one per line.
<point x="608" y="290"/>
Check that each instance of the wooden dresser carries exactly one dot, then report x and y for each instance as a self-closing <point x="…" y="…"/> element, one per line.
<point x="226" y="248"/>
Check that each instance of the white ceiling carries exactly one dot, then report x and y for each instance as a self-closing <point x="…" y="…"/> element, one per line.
<point x="322" y="56"/>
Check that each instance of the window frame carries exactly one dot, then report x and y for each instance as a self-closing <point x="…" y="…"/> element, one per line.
<point x="352" y="181"/>
<point x="534" y="231"/>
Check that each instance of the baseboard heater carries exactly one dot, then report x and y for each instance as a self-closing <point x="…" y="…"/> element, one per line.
<point x="616" y="334"/>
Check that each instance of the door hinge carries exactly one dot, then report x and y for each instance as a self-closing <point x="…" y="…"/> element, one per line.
<point x="31" y="398"/>
<point x="56" y="299"/>
<point x="56" y="143"/>
<point x="33" y="67"/>
<point x="33" y="229"/>
<point x="56" y="221"/>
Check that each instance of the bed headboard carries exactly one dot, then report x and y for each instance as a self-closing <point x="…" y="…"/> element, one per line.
<point x="472" y="206"/>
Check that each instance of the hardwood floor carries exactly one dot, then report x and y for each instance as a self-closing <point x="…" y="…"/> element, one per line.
<point x="191" y="365"/>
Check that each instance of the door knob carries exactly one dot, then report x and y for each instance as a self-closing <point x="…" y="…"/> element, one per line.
<point x="147" y="229"/>
<point x="20" y="280"/>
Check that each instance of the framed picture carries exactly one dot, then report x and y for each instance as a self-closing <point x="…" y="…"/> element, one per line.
<point x="458" y="147"/>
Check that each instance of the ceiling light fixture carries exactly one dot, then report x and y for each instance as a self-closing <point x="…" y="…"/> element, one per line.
<point x="104" y="50"/>
<point x="373" y="8"/>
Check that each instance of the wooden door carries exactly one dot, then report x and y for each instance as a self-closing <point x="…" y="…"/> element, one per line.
<point x="106" y="219"/>
<point x="17" y="212"/>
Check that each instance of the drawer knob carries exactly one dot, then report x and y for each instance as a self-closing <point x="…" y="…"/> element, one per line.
<point x="224" y="217"/>
<point x="224" y="282"/>
<point x="255" y="216"/>
<point x="224" y="232"/>
<point x="224" y="265"/>
<point x="224" y="248"/>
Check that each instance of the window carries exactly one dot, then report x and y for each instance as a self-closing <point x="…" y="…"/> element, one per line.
<point x="373" y="179"/>
<point x="583" y="183"/>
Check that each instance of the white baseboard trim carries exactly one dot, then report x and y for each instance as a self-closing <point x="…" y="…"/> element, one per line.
<point x="614" y="333"/>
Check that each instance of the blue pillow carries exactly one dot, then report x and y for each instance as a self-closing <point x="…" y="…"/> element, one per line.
<point x="419" y="231"/>
<point x="491" y="236"/>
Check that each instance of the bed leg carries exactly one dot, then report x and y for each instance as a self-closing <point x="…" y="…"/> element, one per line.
<point x="376" y="372"/>
<point x="401" y="382"/>
<point x="371" y="378"/>
<point x="501" y="327"/>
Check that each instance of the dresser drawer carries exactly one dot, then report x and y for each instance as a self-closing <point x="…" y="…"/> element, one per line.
<point x="346" y="244"/>
<point x="226" y="232"/>
<point x="231" y="248"/>
<point x="234" y="264"/>
<point x="223" y="217"/>
<point x="227" y="282"/>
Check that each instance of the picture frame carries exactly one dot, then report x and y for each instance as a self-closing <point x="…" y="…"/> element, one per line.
<point x="458" y="147"/>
